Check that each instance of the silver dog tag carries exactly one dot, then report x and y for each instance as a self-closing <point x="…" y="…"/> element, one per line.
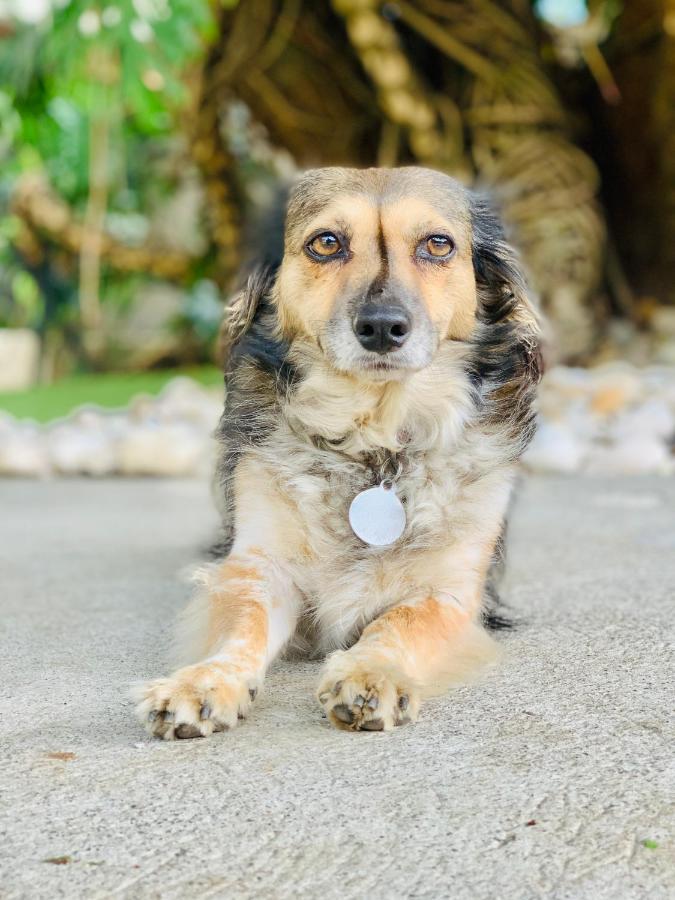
<point x="377" y="515"/>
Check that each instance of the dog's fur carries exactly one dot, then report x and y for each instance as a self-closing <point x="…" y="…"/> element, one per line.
<point x="311" y="419"/>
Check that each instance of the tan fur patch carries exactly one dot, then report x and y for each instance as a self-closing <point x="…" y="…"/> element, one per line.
<point x="235" y="610"/>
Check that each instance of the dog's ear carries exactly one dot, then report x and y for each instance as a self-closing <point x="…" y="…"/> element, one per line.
<point x="263" y="251"/>
<point x="508" y="346"/>
<point x="502" y="288"/>
<point x="241" y="311"/>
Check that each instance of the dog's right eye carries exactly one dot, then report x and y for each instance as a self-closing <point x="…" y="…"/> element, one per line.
<point x="324" y="245"/>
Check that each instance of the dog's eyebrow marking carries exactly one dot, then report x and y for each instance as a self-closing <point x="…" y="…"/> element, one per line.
<point x="382" y="276"/>
<point x="383" y="273"/>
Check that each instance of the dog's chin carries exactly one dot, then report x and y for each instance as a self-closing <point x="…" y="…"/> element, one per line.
<point x="375" y="367"/>
<point x="381" y="369"/>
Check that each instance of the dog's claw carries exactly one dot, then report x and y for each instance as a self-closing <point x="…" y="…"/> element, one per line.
<point x="205" y="712"/>
<point x="403" y="702"/>
<point x="359" y="701"/>
<point x="373" y="702"/>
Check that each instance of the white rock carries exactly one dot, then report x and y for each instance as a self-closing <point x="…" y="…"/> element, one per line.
<point x="186" y="400"/>
<point x="580" y="421"/>
<point x="23" y="451"/>
<point x="566" y="381"/>
<point x="640" y="455"/>
<point x="614" y="387"/>
<point x="660" y="384"/>
<point x="83" y="448"/>
<point x="555" y="449"/>
<point x="141" y="408"/>
<point x="652" y="419"/>
<point x="162" y="449"/>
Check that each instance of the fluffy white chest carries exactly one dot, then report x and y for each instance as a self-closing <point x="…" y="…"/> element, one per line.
<point x="345" y="581"/>
<point x="443" y="455"/>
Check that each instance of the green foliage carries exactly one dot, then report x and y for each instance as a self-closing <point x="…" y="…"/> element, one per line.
<point x="111" y="390"/>
<point x="124" y="62"/>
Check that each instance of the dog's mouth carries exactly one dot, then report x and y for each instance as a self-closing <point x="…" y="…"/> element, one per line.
<point x="390" y="366"/>
<point x="380" y="365"/>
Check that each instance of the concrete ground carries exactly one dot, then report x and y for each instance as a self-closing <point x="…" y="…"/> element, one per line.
<point x="551" y="777"/>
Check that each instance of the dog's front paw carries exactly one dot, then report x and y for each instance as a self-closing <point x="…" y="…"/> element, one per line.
<point x="195" y="701"/>
<point x="358" y="696"/>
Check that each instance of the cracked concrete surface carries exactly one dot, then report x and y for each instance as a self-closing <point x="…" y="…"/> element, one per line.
<point x="544" y="779"/>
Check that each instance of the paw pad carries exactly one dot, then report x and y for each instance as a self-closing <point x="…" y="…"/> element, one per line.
<point x="366" y="701"/>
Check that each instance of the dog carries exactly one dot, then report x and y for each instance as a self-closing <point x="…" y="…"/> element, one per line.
<point x="380" y="388"/>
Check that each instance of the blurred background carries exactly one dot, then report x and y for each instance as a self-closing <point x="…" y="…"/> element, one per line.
<point x="138" y="136"/>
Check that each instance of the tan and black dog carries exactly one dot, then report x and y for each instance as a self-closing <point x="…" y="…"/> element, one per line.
<point x="394" y="345"/>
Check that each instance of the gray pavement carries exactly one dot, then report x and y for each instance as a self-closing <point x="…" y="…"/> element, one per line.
<point x="543" y="779"/>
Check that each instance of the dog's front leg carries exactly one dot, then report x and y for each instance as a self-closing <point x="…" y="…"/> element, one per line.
<point x="242" y="617"/>
<point x="413" y="649"/>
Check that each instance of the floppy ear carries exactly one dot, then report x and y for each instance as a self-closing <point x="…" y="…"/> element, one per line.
<point x="502" y="288"/>
<point x="241" y="311"/>
<point x="508" y="340"/>
<point x="263" y="248"/>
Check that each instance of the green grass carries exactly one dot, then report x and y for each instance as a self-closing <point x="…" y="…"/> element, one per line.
<point x="111" y="390"/>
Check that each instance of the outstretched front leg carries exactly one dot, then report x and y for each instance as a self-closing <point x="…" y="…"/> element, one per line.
<point x="242" y="617"/>
<point x="413" y="649"/>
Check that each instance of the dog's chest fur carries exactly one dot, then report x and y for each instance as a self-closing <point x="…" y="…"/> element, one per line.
<point x="336" y="439"/>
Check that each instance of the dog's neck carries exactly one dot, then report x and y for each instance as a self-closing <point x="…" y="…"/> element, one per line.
<point x="422" y="411"/>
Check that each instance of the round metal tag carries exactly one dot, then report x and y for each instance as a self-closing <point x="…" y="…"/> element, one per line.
<point x="377" y="515"/>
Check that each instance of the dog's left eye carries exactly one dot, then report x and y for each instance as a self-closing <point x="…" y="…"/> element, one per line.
<point x="438" y="246"/>
<point x="324" y="245"/>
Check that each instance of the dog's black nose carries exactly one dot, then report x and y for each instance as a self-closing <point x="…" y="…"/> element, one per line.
<point x="382" y="328"/>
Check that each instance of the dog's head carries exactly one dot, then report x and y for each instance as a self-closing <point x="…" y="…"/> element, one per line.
<point x="381" y="266"/>
<point x="377" y="267"/>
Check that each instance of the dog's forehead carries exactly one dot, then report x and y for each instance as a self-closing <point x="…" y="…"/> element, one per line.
<point x="319" y="188"/>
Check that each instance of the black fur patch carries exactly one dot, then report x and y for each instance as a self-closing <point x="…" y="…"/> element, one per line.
<point x="495" y="616"/>
<point x="498" y="276"/>
<point x="505" y="364"/>
<point x="257" y="374"/>
<point x="260" y="346"/>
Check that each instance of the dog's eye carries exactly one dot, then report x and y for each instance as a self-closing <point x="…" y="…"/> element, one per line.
<point x="439" y="246"/>
<point x="325" y="244"/>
